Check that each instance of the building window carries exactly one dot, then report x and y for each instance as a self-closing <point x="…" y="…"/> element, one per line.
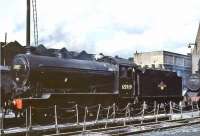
<point x="168" y="59"/>
<point x="187" y="63"/>
<point x="179" y="61"/>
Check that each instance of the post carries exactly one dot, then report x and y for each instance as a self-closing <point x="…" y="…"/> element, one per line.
<point x="27" y="122"/>
<point x="99" y="108"/>
<point x="107" y="116"/>
<point x="154" y="110"/>
<point x="127" y="112"/>
<point x="125" y="115"/>
<point x="165" y="109"/>
<point x="5" y="42"/>
<point x="77" y="120"/>
<point x="56" y="119"/>
<point x="28" y="26"/>
<point x="181" y="109"/>
<point x="85" y="116"/>
<point x="158" y="106"/>
<point x="4" y="59"/>
<point x="171" y="110"/>
<point x="143" y="107"/>
<point x="114" y="110"/>
<point x="2" y="123"/>
<point x="1" y="97"/>
<point x="198" y="108"/>
<point x="192" y="110"/>
<point x="30" y="120"/>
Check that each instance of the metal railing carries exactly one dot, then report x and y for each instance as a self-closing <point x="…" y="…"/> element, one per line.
<point x="102" y="114"/>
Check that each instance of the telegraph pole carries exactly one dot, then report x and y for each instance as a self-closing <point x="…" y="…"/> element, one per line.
<point x="1" y="113"/>
<point x="2" y="97"/>
<point x="28" y="27"/>
<point x="4" y="50"/>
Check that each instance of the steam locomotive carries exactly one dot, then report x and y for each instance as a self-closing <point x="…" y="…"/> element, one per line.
<point x="45" y="81"/>
<point x="193" y="83"/>
<point x="193" y="86"/>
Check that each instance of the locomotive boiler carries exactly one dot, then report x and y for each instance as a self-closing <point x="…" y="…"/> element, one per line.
<point x="43" y="80"/>
<point x="39" y="73"/>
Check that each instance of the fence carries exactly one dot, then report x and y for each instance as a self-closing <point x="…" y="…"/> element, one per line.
<point x="80" y="115"/>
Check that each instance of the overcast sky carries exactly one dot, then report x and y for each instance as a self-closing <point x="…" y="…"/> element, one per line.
<point x="113" y="27"/>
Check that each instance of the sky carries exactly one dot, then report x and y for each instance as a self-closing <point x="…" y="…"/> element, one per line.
<point x="111" y="27"/>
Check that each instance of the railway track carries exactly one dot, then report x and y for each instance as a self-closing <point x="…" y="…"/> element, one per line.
<point x="134" y="128"/>
<point x="71" y="127"/>
<point x="118" y="126"/>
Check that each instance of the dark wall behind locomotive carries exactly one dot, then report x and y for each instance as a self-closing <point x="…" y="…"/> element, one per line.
<point x="13" y="48"/>
<point x="9" y="51"/>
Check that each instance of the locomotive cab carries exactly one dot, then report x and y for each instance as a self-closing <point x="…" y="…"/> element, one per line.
<point x="126" y="86"/>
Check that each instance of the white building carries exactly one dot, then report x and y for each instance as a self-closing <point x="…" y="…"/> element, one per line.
<point x="182" y="64"/>
<point x="196" y="53"/>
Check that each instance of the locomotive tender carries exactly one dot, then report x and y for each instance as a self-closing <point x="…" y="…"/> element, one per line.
<point x="44" y="81"/>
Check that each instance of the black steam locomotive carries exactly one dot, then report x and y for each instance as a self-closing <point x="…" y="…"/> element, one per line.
<point x="43" y="80"/>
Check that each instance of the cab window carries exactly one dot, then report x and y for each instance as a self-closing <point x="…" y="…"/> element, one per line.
<point x="129" y="72"/>
<point x="123" y="72"/>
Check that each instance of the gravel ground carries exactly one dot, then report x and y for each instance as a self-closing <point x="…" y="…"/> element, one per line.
<point x="193" y="130"/>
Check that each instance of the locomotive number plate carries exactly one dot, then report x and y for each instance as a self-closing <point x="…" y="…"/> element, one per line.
<point x="16" y="67"/>
<point x="127" y="87"/>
